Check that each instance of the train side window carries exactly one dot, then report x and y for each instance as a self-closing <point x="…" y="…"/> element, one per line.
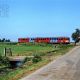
<point x="61" y="38"/>
<point x="23" y="39"/>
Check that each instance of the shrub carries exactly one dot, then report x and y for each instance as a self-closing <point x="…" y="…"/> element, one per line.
<point x="27" y="59"/>
<point x="4" y="61"/>
<point x="36" y="58"/>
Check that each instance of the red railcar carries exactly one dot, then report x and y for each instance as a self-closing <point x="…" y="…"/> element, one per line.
<point x="44" y="40"/>
<point x="60" y="40"/>
<point x="23" y="40"/>
<point x="63" y="40"/>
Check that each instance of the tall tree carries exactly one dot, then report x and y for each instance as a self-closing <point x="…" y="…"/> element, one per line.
<point x="3" y="40"/>
<point x="75" y="35"/>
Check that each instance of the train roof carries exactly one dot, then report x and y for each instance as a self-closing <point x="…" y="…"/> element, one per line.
<point x="45" y="37"/>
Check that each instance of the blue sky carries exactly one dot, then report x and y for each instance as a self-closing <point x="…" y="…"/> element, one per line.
<point x="39" y="18"/>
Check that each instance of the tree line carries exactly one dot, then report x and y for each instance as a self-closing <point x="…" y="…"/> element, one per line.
<point x="5" y="40"/>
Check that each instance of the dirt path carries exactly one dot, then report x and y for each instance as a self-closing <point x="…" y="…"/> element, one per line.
<point x="66" y="67"/>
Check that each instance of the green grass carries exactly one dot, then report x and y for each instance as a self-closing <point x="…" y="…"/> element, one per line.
<point x="47" y="51"/>
<point x="25" y="49"/>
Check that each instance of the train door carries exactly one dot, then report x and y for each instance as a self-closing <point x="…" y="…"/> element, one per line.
<point x="32" y="40"/>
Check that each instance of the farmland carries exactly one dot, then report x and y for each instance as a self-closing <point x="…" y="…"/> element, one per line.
<point x="26" y="49"/>
<point x="48" y="52"/>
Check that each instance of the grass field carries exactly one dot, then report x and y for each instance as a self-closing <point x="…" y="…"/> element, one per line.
<point x="48" y="53"/>
<point x="27" y="49"/>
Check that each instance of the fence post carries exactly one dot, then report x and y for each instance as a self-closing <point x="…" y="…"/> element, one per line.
<point x="7" y="52"/>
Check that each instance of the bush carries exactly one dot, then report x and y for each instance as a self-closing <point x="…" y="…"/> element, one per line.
<point x="27" y="59"/>
<point x="4" y="61"/>
<point x="36" y="58"/>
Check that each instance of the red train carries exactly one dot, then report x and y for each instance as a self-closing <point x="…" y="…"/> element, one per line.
<point x="64" y="40"/>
